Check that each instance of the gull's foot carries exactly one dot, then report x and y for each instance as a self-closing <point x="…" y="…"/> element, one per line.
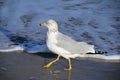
<point x="46" y="66"/>
<point x="68" y="69"/>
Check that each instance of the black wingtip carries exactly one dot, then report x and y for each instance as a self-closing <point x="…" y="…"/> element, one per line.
<point x="99" y="52"/>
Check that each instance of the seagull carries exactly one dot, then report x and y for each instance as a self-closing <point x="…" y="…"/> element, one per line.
<point x="63" y="45"/>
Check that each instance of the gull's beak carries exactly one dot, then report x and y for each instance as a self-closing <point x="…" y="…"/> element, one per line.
<point x="41" y="24"/>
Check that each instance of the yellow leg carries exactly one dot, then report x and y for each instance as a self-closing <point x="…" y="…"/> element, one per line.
<point x="50" y="63"/>
<point x="70" y="66"/>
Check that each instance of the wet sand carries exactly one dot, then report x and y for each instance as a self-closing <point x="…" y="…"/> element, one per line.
<point x="23" y="66"/>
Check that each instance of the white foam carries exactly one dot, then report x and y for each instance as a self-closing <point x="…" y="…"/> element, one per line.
<point x="34" y="49"/>
<point x="104" y="57"/>
<point x="15" y="48"/>
<point x="38" y="49"/>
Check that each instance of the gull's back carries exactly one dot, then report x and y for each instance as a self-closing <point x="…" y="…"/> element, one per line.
<point x="73" y="46"/>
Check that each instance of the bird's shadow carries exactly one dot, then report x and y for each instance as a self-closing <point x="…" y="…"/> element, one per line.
<point x="45" y="55"/>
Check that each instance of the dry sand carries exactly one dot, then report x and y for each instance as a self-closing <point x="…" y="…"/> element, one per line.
<point x="23" y="66"/>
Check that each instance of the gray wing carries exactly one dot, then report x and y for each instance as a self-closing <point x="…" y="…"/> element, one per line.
<point x="73" y="46"/>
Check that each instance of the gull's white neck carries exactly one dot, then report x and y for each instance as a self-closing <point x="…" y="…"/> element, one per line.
<point x="52" y="33"/>
<point x="51" y="38"/>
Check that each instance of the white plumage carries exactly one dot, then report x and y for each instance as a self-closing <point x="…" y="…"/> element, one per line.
<point x="63" y="45"/>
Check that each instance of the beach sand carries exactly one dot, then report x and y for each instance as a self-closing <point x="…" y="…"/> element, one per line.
<point x="24" y="66"/>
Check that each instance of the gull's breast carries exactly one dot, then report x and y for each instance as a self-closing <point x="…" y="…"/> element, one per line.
<point x="51" y="43"/>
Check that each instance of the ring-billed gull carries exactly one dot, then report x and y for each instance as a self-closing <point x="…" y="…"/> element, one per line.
<point x="64" y="46"/>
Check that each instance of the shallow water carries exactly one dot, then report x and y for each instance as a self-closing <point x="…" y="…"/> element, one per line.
<point x="22" y="66"/>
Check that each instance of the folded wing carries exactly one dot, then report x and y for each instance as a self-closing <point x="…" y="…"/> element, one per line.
<point x="73" y="46"/>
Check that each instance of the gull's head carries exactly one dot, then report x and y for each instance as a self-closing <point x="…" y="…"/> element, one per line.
<point x="51" y="25"/>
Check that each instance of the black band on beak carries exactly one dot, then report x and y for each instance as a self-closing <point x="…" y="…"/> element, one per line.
<point x="40" y="24"/>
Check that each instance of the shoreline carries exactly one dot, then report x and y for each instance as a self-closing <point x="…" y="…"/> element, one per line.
<point x="24" y="66"/>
